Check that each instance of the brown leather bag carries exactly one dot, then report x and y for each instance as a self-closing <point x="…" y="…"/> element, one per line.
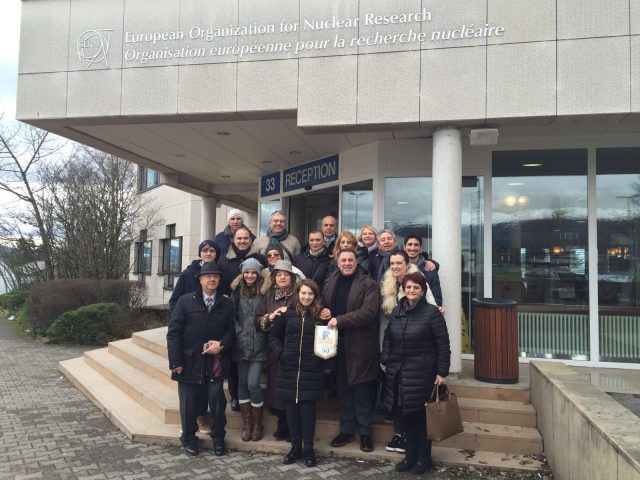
<point x="443" y="416"/>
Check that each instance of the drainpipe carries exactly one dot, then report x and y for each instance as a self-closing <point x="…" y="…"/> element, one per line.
<point x="447" y="226"/>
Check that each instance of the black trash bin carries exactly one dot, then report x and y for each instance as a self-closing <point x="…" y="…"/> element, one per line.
<point x="495" y="340"/>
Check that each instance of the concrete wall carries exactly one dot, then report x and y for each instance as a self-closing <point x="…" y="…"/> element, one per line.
<point x="587" y="434"/>
<point x="183" y="210"/>
<point x="85" y="58"/>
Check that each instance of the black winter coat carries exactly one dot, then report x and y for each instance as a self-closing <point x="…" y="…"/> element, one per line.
<point x="313" y="267"/>
<point x="300" y="372"/>
<point x="188" y="282"/>
<point x="190" y="327"/>
<point x="415" y="350"/>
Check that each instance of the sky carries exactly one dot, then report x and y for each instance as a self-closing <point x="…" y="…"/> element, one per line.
<point x="9" y="43"/>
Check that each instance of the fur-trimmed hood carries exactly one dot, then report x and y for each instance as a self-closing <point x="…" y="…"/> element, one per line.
<point x="264" y="286"/>
<point x="390" y="291"/>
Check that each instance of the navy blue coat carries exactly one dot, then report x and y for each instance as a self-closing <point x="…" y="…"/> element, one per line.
<point x="190" y="326"/>
<point x="189" y="281"/>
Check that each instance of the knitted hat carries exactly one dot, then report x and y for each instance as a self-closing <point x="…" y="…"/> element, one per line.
<point x="234" y="212"/>
<point x="251" y="264"/>
<point x="211" y="244"/>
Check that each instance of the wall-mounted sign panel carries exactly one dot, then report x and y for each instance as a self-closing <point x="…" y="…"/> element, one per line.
<point x="270" y="184"/>
<point x="309" y="174"/>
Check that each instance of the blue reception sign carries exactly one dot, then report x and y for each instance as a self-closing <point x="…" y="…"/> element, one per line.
<point x="270" y="184"/>
<point x="312" y="173"/>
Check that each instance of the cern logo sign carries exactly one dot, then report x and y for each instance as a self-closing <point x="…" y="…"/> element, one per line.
<point x="93" y="47"/>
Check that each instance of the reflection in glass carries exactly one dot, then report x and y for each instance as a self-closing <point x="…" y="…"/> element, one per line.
<point x="540" y="248"/>
<point x="267" y="207"/>
<point x="357" y="206"/>
<point x="146" y="257"/>
<point x="618" y="199"/>
<point x="408" y="208"/>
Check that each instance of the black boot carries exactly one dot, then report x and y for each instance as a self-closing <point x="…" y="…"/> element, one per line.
<point x="294" y="454"/>
<point x="310" y="457"/>
<point x="282" y="429"/>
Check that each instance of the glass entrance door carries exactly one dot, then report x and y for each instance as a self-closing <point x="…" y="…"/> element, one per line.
<point x="306" y="211"/>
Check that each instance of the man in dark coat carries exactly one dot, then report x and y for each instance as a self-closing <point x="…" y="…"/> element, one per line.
<point x="203" y="317"/>
<point x="241" y="249"/>
<point x="413" y="247"/>
<point x="224" y="239"/>
<point x="354" y="298"/>
<point x="188" y="281"/>
<point x="314" y="259"/>
<point x="329" y="232"/>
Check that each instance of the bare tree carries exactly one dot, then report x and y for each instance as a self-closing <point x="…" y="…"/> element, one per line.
<point x="24" y="151"/>
<point x="77" y="210"/>
<point x="96" y="213"/>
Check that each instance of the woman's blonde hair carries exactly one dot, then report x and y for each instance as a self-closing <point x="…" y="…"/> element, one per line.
<point x="344" y="234"/>
<point x="367" y="226"/>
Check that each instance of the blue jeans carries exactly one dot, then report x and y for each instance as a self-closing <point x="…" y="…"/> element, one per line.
<point x="249" y="372"/>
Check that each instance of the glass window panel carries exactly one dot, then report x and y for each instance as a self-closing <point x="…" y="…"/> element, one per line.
<point x="618" y="212"/>
<point x="539" y="205"/>
<point x="357" y="206"/>
<point x="266" y="209"/>
<point x="174" y="255"/>
<point x="146" y="257"/>
<point x="408" y="208"/>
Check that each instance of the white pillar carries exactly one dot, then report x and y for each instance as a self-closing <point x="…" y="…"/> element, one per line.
<point x="208" y="218"/>
<point x="446" y="220"/>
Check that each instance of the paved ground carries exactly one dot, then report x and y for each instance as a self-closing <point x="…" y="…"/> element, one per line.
<point x="49" y="430"/>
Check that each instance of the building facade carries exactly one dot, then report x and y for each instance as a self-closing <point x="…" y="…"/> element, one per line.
<point x="504" y="131"/>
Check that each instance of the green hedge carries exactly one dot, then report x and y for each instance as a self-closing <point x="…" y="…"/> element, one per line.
<point x="88" y="325"/>
<point x="14" y="300"/>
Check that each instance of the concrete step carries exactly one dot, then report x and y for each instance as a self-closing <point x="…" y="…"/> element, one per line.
<point x="162" y="402"/>
<point x="497" y="412"/>
<point x="471" y="388"/>
<point x="154" y="340"/>
<point x="471" y="409"/>
<point x="140" y="425"/>
<point x="152" y="394"/>
<point x="148" y="361"/>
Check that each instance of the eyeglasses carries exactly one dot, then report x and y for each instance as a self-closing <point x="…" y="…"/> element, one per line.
<point x="275" y="254"/>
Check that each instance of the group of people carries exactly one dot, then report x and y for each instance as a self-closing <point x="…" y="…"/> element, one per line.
<point x="250" y="302"/>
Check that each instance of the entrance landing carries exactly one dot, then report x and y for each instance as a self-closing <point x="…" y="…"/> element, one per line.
<point x="130" y="383"/>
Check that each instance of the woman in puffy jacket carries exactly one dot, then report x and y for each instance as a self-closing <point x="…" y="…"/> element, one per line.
<point x="300" y="376"/>
<point x="416" y="355"/>
<point x="250" y="349"/>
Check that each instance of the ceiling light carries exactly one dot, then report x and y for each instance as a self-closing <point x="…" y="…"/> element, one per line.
<point x="223" y="134"/>
<point x="295" y="152"/>
<point x="515" y="184"/>
<point x="531" y="164"/>
<point x="510" y="201"/>
<point x="523" y="200"/>
<point x="403" y="203"/>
